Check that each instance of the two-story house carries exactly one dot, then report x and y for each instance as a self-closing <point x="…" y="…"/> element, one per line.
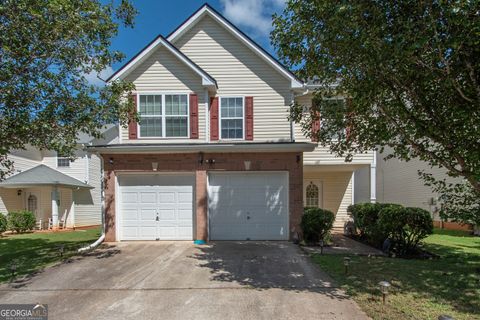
<point x="214" y="156"/>
<point x="62" y="192"/>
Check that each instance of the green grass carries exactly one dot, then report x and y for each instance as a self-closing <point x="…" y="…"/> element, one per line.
<point x="34" y="251"/>
<point x="421" y="289"/>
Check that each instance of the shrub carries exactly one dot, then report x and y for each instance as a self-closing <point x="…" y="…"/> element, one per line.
<point x="21" y="221"/>
<point x="366" y="221"/>
<point x="316" y="224"/>
<point x="405" y="226"/>
<point x="3" y="223"/>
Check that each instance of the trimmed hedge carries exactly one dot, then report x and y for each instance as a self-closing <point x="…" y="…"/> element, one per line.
<point x="316" y="224"/>
<point x="21" y="221"/>
<point x="3" y="223"/>
<point x="404" y="227"/>
<point x="365" y="218"/>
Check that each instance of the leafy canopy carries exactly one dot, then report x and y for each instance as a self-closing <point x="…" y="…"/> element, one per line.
<point x="48" y="47"/>
<point x="412" y="72"/>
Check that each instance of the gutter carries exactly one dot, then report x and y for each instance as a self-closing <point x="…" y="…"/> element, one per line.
<point x="102" y="236"/>
<point x="213" y="148"/>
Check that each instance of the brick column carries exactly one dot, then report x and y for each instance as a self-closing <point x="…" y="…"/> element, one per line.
<point x="201" y="205"/>
<point x="296" y="198"/>
<point x="110" y="206"/>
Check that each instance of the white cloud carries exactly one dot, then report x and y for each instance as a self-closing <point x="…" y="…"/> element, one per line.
<point x="256" y="15"/>
<point x="92" y="77"/>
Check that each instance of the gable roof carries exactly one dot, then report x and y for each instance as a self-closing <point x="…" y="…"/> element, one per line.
<point x="42" y="175"/>
<point x="207" y="80"/>
<point x="207" y="9"/>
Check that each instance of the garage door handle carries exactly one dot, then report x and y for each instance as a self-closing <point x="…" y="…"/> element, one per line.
<point x="248" y="218"/>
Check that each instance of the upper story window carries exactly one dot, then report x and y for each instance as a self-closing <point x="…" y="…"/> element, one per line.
<point x="163" y="116"/>
<point x="232" y="118"/>
<point x="63" y="161"/>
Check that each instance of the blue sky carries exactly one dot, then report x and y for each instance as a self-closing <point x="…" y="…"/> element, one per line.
<point x="161" y="17"/>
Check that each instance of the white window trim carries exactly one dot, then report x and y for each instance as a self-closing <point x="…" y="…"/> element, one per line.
<point x="163" y="116"/>
<point x="231" y="118"/>
<point x="58" y="157"/>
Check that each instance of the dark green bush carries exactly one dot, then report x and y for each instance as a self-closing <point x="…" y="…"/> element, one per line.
<point x="20" y="221"/>
<point x="405" y="226"/>
<point x="316" y="224"/>
<point x="3" y="223"/>
<point x="365" y="219"/>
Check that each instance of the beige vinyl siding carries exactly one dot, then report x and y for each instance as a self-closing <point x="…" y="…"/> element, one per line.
<point x="241" y="72"/>
<point x="21" y="164"/>
<point x="398" y="182"/>
<point x="88" y="203"/>
<point x="10" y="201"/>
<point x="77" y="168"/>
<point x="163" y="72"/>
<point x="321" y="155"/>
<point x="362" y="185"/>
<point x="65" y="209"/>
<point x="337" y="192"/>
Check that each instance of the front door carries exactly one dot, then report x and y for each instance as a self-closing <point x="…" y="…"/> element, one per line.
<point x="313" y="193"/>
<point x="32" y="204"/>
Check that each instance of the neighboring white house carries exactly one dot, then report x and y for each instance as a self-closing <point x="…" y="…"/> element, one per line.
<point x="214" y="156"/>
<point x="397" y="181"/>
<point x="59" y="191"/>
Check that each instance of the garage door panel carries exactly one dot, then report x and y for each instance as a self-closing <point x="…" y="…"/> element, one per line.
<point x="168" y="197"/>
<point x="130" y="233"/>
<point x="185" y="197"/>
<point x="148" y="197"/>
<point x="129" y="197"/>
<point x="166" y="214"/>
<point x="148" y="214"/>
<point x="184" y="215"/>
<point x="248" y="206"/>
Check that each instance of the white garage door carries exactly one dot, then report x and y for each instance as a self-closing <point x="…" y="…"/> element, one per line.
<point x="156" y="207"/>
<point x="248" y="206"/>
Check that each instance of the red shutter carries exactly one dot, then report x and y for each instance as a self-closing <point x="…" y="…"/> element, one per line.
<point x="315" y="125"/>
<point x="213" y="119"/>
<point x="348" y="129"/>
<point x="132" y="124"/>
<point x="248" y="118"/>
<point x="193" y="116"/>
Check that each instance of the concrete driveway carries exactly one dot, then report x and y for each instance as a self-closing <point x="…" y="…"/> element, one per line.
<point x="177" y="280"/>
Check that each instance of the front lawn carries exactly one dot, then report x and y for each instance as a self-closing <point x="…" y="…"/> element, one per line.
<point x="422" y="289"/>
<point x="33" y="251"/>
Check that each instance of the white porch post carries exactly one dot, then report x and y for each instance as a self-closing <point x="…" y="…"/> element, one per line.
<point x="373" y="178"/>
<point x="72" y="210"/>
<point x="55" y="207"/>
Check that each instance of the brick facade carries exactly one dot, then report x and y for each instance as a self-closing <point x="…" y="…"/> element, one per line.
<point x="190" y="162"/>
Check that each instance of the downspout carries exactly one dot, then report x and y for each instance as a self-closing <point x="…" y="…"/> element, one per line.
<point x="102" y="236"/>
<point x="292" y="125"/>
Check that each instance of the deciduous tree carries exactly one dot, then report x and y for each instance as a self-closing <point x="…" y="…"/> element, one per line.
<point x="412" y="72"/>
<point x="47" y="49"/>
